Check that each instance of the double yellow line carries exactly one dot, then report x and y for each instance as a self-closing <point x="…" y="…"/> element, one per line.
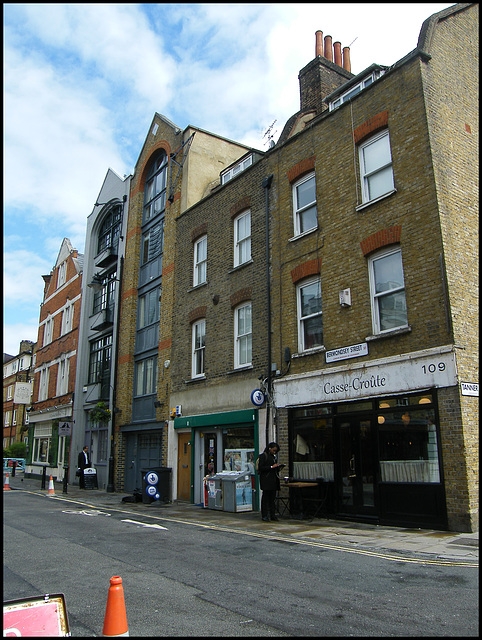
<point x="307" y="543"/>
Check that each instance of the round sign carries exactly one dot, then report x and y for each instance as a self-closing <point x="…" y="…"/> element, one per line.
<point x="152" y="477"/>
<point x="257" y="397"/>
<point x="151" y="490"/>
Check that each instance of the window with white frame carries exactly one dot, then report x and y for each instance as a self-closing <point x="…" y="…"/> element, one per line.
<point x="304" y="204"/>
<point x="387" y="288"/>
<point x="237" y="168"/>
<point x="48" y="330"/>
<point x="41" y="443"/>
<point x="243" y="335"/>
<point x="242" y="238"/>
<point x="14" y="417"/>
<point x="43" y="387"/>
<point x="310" y="318"/>
<point x="376" y="169"/>
<point x="10" y="392"/>
<point x="355" y="89"/>
<point x="198" y="348"/>
<point x="200" y="261"/>
<point x="67" y="318"/>
<point x="7" y="419"/>
<point x="61" y="274"/>
<point x="63" y="377"/>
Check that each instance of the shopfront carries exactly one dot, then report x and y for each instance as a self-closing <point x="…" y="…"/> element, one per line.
<point x="380" y="458"/>
<point x="219" y="442"/>
<point x="374" y="437"/>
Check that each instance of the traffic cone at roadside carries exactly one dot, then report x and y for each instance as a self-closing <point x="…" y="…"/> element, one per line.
<point x="6" y="486"/>
<point x="51" y="487"/>
<point x="115" y="621"/>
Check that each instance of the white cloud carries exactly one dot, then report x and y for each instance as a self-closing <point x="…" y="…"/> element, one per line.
<point x="22" y="274"/>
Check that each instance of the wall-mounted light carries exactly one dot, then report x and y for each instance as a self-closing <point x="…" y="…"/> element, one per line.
<point x="96" y="283"/>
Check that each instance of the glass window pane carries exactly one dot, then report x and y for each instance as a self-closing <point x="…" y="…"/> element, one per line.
<point x="313" y="332"/>
<point x="311" y="299"/>
<point x="313" y="449"/>
<point x="376" y="154"/>
<point x="140" y="378"/>
<point x="388" y="272"/>
<point x="150" y="382"/>
<point x="380" y="183"/>
<point x="305" y="193"/>
<point x="392" y="310"/>
<point x="308" y="219"/>
<point x="408" y="446"/>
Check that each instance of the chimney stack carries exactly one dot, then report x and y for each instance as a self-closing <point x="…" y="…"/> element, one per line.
<point x="346" y="59"/>
<point x="337" y="48"/>
<point x="328" y="49"/>
<point x="319" y="43"/>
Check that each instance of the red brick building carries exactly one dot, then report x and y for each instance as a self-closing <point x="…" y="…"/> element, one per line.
<point x="55" y="365"/>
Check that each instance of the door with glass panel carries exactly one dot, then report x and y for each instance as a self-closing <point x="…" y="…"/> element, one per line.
<point x="357" y="466"/>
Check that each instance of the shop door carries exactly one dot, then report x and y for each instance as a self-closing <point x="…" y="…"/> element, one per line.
<point x="210" y="454"/>
<point x="356" y="473"/>
<point x="184" y="467"/>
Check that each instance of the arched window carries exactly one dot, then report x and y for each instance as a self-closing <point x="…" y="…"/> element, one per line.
<point x="110" y="229"/>
<point x="155" y="188"/>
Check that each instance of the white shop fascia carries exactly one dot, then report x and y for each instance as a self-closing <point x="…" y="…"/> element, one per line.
<point x="404" y="373"/>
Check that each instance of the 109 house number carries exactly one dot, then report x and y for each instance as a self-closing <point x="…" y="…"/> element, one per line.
<point x="432" y="368"/>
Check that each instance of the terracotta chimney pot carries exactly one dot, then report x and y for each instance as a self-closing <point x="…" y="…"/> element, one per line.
<point x="337" y="47"/>
<point x="328" y="49"/>
<point x="346" y="59"/>
<point x="319" y="43"/>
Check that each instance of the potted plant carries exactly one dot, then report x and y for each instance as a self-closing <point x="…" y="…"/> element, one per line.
<point x="100" y="413"/>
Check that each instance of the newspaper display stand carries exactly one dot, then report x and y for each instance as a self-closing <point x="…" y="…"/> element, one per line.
<point x="230" y="491"/>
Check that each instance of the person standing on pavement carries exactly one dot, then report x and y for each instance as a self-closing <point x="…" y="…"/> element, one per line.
<point x="269" y="481"/>
<point x="83" y="462"/>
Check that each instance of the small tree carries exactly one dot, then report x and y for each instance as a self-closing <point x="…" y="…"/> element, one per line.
<point x="17" y="450"/>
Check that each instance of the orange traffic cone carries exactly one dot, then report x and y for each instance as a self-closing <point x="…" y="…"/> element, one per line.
<point x="115" y="620"/>
<point x="51" y="487"/>
<point x="6" y="486"/>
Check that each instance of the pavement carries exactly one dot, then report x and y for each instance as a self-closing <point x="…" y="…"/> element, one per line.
<point x="397" y="543"/>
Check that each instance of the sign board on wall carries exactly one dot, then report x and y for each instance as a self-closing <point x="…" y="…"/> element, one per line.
<point x="407" y="372"/>
<point x="23" y="392"/>
<point x="343" y="353"/>
<point x="470" y="388"/>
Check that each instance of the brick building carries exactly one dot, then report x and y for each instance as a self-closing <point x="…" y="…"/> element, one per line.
<point x="55" y="366"/>
<point x="17" y="393"/>
<point x="98" y="330"/>
<point x="175" y="169"/>
<point x="376" y="299"/>
<point x="370" y="308"/>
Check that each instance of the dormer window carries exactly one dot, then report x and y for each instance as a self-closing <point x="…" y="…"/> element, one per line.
<point x="233" y="171"/>
<point x="355" y="89"/>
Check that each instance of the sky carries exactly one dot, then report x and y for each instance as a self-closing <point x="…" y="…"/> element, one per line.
<point x="82" y="83"/>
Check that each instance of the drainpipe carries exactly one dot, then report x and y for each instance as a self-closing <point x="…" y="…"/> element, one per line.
<point x="266" y="186"/>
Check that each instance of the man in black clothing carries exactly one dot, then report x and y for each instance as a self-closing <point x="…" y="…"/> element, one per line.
<point x="269" y="481"/>
<point x="83" y="461"/>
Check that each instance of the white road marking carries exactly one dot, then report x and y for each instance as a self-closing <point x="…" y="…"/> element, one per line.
<point x="144" y="524"/>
